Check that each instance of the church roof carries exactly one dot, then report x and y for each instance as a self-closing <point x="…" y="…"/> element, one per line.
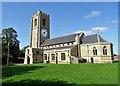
<point x="92" y="39"/>
<point x="71" y="38"/>
<point x="62" y="39"/>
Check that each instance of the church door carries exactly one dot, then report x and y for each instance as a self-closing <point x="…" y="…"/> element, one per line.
<point x="92" y="60"/>
<point x="28" y="60"/>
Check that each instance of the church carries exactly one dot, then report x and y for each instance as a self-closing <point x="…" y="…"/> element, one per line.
<point x="70" y="49"/>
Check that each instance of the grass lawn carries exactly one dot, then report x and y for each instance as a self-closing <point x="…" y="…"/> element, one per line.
<point x="60" y="74"/>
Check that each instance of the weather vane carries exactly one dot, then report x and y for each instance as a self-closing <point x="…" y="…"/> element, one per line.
<point x="98" y="32"/>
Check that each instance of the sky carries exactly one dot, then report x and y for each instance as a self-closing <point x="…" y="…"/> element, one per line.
<point x="65" y="18"/>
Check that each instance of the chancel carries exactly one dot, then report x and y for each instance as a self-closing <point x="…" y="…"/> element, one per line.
<point x="69" y="49"/>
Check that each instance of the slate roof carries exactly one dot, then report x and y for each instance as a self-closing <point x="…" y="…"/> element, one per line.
<point x="92" y="39"/>
<point x="63" y="39"/>
<point x="71" y="38"/>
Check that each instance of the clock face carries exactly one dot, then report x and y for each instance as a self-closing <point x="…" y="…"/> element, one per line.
<point x="44" y="32"/>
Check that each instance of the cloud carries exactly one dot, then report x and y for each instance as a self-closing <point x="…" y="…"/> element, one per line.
<point x="100" y="29"/>
<point x="89" y="32"/>
<point x="93" y="14"/>
<point x="93" y="30"/>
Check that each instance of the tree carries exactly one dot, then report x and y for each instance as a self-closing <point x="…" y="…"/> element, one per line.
<point x="22" y="51"/>
<point x="9" y="36"/>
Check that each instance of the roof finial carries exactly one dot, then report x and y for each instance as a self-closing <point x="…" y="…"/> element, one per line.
<point x="98" y="36"/>
<point x="82" y="30"/>
<point x="98" y="32"/>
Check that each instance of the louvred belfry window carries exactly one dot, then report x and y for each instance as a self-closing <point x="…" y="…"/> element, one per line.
<point x="35" y="22"/>
<point x="44" y="22"/>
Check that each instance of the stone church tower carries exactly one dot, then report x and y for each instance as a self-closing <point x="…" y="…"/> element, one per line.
<point x="40" y="29"/>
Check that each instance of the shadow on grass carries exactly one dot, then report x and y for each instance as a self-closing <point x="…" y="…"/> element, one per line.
<point x="116" y="61"/>
<point x="17" y="70"/>
<point x="52" y="82"/>
<point x="30" y="82"/>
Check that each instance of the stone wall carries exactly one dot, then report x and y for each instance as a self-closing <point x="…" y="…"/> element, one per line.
<point x="58" y="56"/>
<point x="87" y="52"/>
<point x="33" y="55"/>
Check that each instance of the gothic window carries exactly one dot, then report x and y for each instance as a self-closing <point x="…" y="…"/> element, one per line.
<point x="53" y="56"/>
<point x="45" y="56"/>
<point x="44" y="22"/>
<point x="62" y="56"/>
<point x="35" y="22"/>
<point x="94" y="51"/>
<point x="104" y="50"/>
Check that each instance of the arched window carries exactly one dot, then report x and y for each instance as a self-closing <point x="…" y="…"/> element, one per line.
<point x="53" y="56"/>
<point x="45" y="56"/>
<point x="44" y="22"/>
<point x="62" y="56"/>
<point x="94" y="51"/>
<point x="35" y="22"/>
<point x="104" y="50"/>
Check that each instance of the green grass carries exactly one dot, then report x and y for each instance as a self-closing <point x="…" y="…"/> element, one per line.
<point x="61" y="74"/>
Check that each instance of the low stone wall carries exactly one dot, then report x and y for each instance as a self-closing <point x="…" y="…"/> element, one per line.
<point x="116" y="58"/>
<point x="98" y="59"/>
